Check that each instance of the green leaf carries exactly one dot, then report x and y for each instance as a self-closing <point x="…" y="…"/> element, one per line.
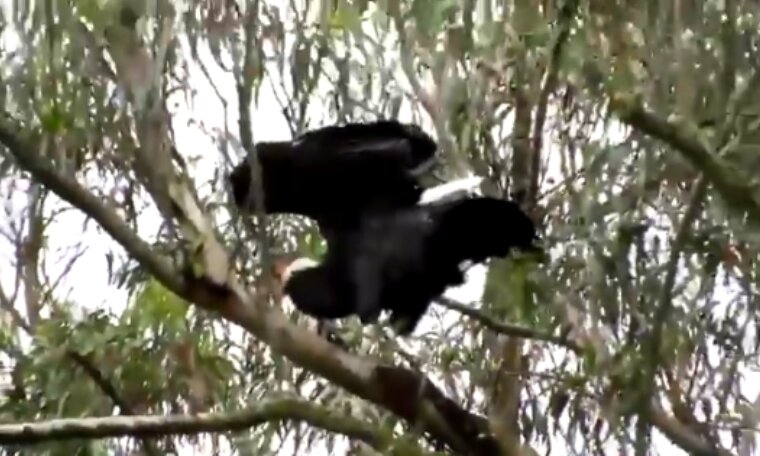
<point x="430" y="15"/>
<point x="345" y="17"/>
<point x="53" y="120"/>
<point x="312" y="245"/>
<point x="157" y="306"/>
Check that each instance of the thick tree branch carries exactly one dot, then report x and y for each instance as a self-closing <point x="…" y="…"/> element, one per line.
<point x="71" y="191"/>
<point x="681" y="435"/>
<point x="404" y="392"/>
<point x="504" y="398"/>
<point x="729" y="182"/>
<point x="145" y="426"/>
<point x="506" y="328"/>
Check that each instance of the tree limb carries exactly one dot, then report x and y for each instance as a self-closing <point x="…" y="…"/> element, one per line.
<point x="217" y="290"/>
<point x="564" y="22"/>
<point x="666" y="293"/>
<point x="681" y="435"/>
<point x="729" y="182"/>
<point x="70" y="190"/>
<point x="147" y="426"/>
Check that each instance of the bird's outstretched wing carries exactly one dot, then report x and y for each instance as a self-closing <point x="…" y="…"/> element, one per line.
<point x="383" y="142"/>
<point x="335" y="174"/>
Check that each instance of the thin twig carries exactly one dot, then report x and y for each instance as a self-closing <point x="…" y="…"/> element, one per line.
<point x="564" y="22"/>
<point x="506" y="328"/>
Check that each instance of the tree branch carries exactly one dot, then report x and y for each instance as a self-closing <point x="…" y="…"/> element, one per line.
<point x="681" y="435"/>
<point x="506" y="328"/>
<point x="666" y="293"/>
<point x="146" y="426"/>
<point x="217" y="290"/>
<point x="564" y="22"/>
<point x="428" y="101"/>
<point x="71" y="191"/>
<point x="729" y="182"/>
<point x="245" y="82"/>
<point x="110" y="391"/>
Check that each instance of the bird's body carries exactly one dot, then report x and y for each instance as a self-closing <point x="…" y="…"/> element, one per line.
<point x="283" y="270"/>
<point x="336" y="174"/>
<point x="401" y="261"/>
<point x="385" y="251"/>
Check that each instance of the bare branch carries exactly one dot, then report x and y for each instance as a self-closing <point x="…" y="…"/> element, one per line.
<point x="71" y="191"/>
<point x="682" y="435"/>
<point x="729" y="182"/>
<point x="6" y="304"/>
<point x="153" y="426"/>
<point x="564" y="22"/>
<point x="506" y="328"/>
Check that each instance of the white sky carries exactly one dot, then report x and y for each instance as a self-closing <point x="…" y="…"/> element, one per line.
<point x="87" y="281"/>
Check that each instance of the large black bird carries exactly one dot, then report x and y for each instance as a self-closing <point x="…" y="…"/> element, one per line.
<point x="335" y="174"/>
<point x="400" y="261"/>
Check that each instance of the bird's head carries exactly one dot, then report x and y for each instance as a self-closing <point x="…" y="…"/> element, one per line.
<point x="522" y="231"/>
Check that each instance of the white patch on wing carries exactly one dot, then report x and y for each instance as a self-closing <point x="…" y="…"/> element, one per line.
<point x="451" y="190"/>
<point x="298" y="264"/>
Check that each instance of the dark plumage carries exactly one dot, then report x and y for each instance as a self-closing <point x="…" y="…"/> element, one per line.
<point x="283" y="268"/>
<point x="335" y="174"/>
<point x="400" y="261"/>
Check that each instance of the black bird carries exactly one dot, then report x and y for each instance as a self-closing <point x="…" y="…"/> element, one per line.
<point x="400" y="261"/>
<point x="337" y="173"/>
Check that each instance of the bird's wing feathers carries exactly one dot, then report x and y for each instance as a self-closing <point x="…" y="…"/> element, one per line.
<point x="376" y="142"/>
<point x="453" y="190"/>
